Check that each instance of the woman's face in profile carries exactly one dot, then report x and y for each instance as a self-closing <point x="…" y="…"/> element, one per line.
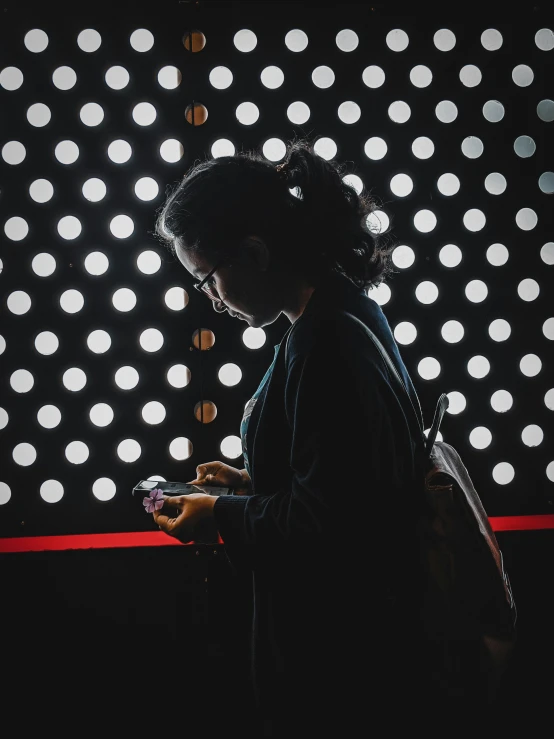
<point x="246" y="287"/>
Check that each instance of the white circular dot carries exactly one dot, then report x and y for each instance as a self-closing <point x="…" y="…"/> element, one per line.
<point x="478" y="366"/>
<point x="423" y="147"/>
<point x="548" y="329"/>
<point x="470" y="75"/>
<point x="24" y="454"/>
<point x="247" y="113"/>
<point x="11" y="78"/>
<point x="403" y="256"/>
<point x="452" y="331"/>
<point x="421" y="76"/>
<point x="528" y="289"/>
<point x="401" y="185"/>
<point x="230" y="374"/>
<point x="117" y="77"/>
<point x="450" y="255"/>
<point x="99" y="341"/>
<point x="544" y="39"/>
<point x="405" y="333"/>
<point x="49" y="416"/>
<point x="530" y="365"/>
<point x="532" y="435"/>
<point x="399" y="111"/>
<point x="91" y="114"/>
<point x="495" y="183"/>
<point x="497" y="255"/>
<point x="456" y="403"/>
<point x="74" y="379"/>
<point x="69" y="227"/>
<point x="446" y="111"/>
<point x="77" y="452"/>
<point x="397" y="39"/>
<point x="172" y="150"/>
<point x="296" y="40"/>
<point x="122" y="226"/>
<point x="220" y="77"/>
<point x="373" y="76"/>
<point x="503" y="473"/>
<point x="524" y="146"/>
<point x="474" y="219"/>
<point x="491" y="39"/>
<point x="427" y="292"/>
<point x="245" y="40"/>
<point x="19" y="302"/>
<point x="546" y="182"/>
<point x="523" y="75"/>
<point x="46" y="343"/>
<point x="501" y="401"/>
<point x="103" y="489"/>
<point x="178" y="376"/>
<point x="547" y="253"/>
<point x="429" y="368"/>
<point x="151" y="340"/>
<point x="129" y="450"/>
<point x="51" y="491"/>
<point x="444" y="39"/>
<point x="493" y="111"/>
<point x="36" y="40"/>
<point x="472" y="147"/>
<point x="21" y="381"/>
<point x="39" y="115"/>
<point x="13" y="152"/>
<point x="448" y="184"/>
<point x="499" y="329"/>
<point x="43" y="264"/>
<point x="323" y="77"/>
<point x="180" y="448"/>
<point x="347" y="40"/>
<point x="425" y="221"/>
<point x="153" y="412"/>
<point x="476" y="291"/>
<point x="349" y="112"/>
<point x="126" y="378"/>
<point x="526" y="219"/>
<point x="16" y="228"/>
<point x="101" y="415"/>
<point x="89" y="40"/>
<point x="144" y="114"/>
<point x="480" y="437"/>
<point x="64" y="78"/>
<point x="375" y="148"/>
<point x="142" y="40"/>
<point x="66" y="152"/>
<point x="41" y="191"/>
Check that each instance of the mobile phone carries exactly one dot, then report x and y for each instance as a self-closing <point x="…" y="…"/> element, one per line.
<point x="143" y="488"/>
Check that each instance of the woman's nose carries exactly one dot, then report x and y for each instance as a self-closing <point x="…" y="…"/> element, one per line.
<point x="218" y="306"/>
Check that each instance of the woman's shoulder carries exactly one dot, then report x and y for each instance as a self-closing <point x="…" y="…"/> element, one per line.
<point x="335" y="329"/>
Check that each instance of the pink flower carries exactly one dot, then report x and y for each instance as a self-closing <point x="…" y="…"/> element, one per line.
<point x="154" y="501"/>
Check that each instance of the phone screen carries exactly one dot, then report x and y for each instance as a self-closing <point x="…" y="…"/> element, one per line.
<point x="143" y="488"/>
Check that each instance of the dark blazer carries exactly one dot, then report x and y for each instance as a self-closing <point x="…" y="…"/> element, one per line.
<point x="326" y="532"/>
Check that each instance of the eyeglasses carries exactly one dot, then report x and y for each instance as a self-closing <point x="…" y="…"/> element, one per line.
<point x="210" y="290"/>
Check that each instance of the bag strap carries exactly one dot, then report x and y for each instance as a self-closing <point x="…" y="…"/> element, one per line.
<point x="425" y="443"/>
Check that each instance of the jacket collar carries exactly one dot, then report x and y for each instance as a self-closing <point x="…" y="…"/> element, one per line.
<point x="334" y="287"/>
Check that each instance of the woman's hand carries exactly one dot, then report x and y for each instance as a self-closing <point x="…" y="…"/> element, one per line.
<point x="223" y="475"/>
<point x="188" y="517"/>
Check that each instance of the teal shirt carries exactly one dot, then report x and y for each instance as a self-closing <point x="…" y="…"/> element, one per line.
<point x="250" y="407"/>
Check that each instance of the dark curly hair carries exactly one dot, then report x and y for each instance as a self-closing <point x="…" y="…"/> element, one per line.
<point x="310" y="218"/>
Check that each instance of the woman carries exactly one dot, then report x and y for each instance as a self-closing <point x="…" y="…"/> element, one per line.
<point x="322" y="519"/>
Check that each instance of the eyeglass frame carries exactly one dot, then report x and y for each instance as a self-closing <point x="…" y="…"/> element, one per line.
<point x="200" y="285"/>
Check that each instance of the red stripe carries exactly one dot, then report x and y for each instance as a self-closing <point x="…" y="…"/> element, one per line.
<point x="159" y="539"/>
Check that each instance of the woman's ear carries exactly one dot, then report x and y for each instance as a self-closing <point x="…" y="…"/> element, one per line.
<point x="255" y="253"/>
